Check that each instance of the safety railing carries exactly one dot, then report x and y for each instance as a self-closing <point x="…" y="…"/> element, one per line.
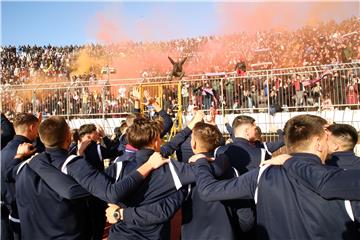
<point x="313" y="88"/>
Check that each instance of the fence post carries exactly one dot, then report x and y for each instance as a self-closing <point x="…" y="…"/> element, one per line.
<point x="160" y="93"/>
<point x="222" y="96"/>
<point x="268" y="91"/>
<point x="141" y="98"/>
<point x="103" y="100"/>
<point x="68" y="103"/>
<point x="33" y="101"/>
<point x="179" y="115"/>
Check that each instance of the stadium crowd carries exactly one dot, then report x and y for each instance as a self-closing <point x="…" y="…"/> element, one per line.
<point x="338" y="88"/>
<point x="214" y="57"/>
<point x="326" y="43"/>
<point x="62" y="191"/>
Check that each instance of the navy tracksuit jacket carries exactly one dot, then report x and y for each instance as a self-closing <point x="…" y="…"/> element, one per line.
<point x="95" y="155"/>
<point x="49" y="214"/>
<point x="344" y="160"/>
<point x="270" y="147"/>
<point x="287" y="206"/>
<point x="101" y="185"/>
<point x="8" y="166"/>
<point x="216" y="219"/>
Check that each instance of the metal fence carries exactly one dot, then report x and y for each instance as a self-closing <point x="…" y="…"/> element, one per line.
<point x="315" y="88"/>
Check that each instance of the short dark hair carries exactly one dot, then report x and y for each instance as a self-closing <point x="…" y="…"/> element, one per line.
<point x="242" y="119"/>
<point x="300" y="129"/>
<point x="209" y="135"/>
<point x="347" y="134"/>
<point x="75" y="135"/>
<point x="258" y="133"/>
<point x="122" y="128"/>
<point x="142" y="132"/>
<point x="86" y="128"/>
<point x="22" y="119"/>
<point x="52" y="131"/>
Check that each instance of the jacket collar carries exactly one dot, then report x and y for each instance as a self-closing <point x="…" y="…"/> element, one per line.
<point x="239" y="140"/>
<point x="343" y="154"/>
<point x="22" y="138"/>
<point x="143" y="155"/>
<point x="308" y="157"/>
<point x="57" y="153"/>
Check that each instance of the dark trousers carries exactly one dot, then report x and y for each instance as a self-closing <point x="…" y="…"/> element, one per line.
<point x="97" y="216"/>
<point x="9" y="229"/>
<point x="180" y="75"/>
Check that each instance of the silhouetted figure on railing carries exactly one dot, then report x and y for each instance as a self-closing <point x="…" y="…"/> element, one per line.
<point x="177" y="68"/>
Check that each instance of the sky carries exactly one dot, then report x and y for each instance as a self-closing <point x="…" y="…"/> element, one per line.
<point x="68" y="22"/>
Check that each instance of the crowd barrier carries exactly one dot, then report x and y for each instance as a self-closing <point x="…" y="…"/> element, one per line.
<point x="269" y="95"/>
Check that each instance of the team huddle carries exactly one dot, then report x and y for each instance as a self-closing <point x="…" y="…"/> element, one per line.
<point x="56" y="187"/>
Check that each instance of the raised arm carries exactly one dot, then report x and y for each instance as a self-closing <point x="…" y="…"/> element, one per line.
<point x="168" y="123"/>
<point x="183" y="61"/>
<point x="169" y="148"/>
<point x="171" y="60"/>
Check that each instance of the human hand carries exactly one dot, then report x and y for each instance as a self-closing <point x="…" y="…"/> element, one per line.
<point x="24" y="150"/>
<point x="82" y="146"/>
<point x="196" y="157"/>
<point x="114" y="213"/>
<point x="199" y="116"/>
<point x="156" y="160"/>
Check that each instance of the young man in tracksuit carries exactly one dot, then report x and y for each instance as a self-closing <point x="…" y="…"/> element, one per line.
<point x="244" y="156"/>
<point x="145" y="136"/>
<point x="95" y="154"/>
<point x="115" y="171"/>
<point x="342" y="140"/>
<point x="56" y="208"/>
<point x="269" y="147"/>
<point x="209" y="220"/>
<point x="201" y="220"/>
<point x="26" y="127"/>
<point x="287" y="206"/>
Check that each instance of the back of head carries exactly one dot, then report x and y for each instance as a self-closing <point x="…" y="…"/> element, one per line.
<point x="242" y="120"/>
<point x="75" y="135"/>
<point x="300" y="130"/>
<point x="23" y="120"/>
<point x="122" y="128"/>
<point x="54" y="132"/>
<point x="142" y="132"/>
<point x="207" y="135"/>
<point x="86" y="129"/>
<point x="244" y="127"/>
<point x="345" y="134"/>
<point x="258" y="133"/>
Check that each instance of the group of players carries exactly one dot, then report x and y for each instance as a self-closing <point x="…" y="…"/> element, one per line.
<point x="55" y="188"/>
